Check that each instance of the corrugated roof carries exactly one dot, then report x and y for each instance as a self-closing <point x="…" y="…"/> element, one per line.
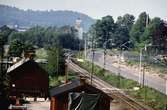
<point x="65" y="87"/>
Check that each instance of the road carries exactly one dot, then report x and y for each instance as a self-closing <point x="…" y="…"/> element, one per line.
<point x="150" y="80"/>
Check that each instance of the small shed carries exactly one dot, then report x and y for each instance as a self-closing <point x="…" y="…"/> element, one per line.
<point x="27" y="78"/>
<point x="60" y="96"/>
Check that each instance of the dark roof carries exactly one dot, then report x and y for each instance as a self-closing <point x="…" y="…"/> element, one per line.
<point x="65" y="87"/>
<point x="75" y="85"/>
<point x="18" y="64"/>
<point x="22" y="62"/>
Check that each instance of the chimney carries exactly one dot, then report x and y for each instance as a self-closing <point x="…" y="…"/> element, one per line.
<point x="29" y="54"/>
<point x="83" y="79"/>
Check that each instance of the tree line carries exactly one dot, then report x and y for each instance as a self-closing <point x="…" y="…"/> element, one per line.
<point x="47" y="36"/>
<point x="143" y="31"/>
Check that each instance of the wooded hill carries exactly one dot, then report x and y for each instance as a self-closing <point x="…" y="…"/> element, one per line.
<point x="29" y="18"/>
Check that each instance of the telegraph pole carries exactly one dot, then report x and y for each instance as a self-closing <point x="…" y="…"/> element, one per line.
<point x="147" y="19"/>
<point x="2" y="56"/>
<point x="93" y="53"/>
<point x="104" y="62"/>
<point x="85" y="47"/>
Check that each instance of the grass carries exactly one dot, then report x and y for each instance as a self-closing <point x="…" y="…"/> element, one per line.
<point x="41" y="53"/>
<point x="159" y="66"/>
<point x="56" y="81"/>
<point x="161" y="69"/>
<point x="145" y="94"/>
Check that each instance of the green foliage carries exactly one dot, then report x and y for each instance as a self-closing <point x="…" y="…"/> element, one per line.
<point x="41" y="53"/>
<point x="48" y="36"/>
<point x="143" y="32"/>
<point x="103" y="30"/>
<point x="56" y="61"/>
<point x="56" y="81"/>
<point x="127" y="21"/>
<point x="149" y="34"/>
<point x="106" y="29"/>
<point x="123" y="26"/>
<point x="149" y="31"/>
<point x="138" y="29"/>
<point x="156" y="32"/>
<point x="16" y="48"/>
<point x="37" y="36"/>
<point x="4" y="34"/>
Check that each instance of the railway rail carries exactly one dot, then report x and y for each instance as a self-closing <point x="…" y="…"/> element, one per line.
<point x="107" y="88"/>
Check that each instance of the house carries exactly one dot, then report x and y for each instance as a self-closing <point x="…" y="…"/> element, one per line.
<point x="27" y="78"/>
<point x="81" y="94"/>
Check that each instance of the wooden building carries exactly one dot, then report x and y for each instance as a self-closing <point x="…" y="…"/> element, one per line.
<point x="60" y="96"/>
<point x="27" y="78"/>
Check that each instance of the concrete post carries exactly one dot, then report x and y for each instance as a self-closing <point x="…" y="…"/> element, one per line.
<point x="166" y="90"/>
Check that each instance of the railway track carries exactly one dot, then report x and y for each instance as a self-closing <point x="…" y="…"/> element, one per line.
<point x="107" y="88"/>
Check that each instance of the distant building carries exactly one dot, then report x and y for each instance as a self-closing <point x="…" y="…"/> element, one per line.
<point x="28" y="78"/>
<point x="79" y="28"/>
<point x="18" y="28"/>
<point x="6" y="49"/>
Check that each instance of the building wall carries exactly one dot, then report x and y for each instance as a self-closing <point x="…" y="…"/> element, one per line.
<point x="60" y="102"/>
<point x="29" y="79"/>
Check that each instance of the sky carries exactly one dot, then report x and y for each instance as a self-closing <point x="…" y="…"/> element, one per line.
<point x="96" y="8"/>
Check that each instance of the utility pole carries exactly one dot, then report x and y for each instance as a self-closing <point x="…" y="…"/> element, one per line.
<point x="144" y="67"/>
<point x="57" y="58"/>
<point x="105" y="52"/>
<point x="147" y="20"/>
<point x="119" y="73"/>
<point x="141" y="58"/>
<point x="104" y="60"/>
<point x="119" y="60"/>
<point x="166" y="86"/>
<point x="66" y="73"/>
<point x="2" y="56"/>
<point x="140" y="65"/>
<point x="93" y="53"/>
<point x="85" y="47"/>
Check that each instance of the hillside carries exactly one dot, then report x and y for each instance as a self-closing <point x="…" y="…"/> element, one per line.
<point x="14" y="16"/>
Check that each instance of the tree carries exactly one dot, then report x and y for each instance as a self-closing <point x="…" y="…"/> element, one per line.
<point x="126" y="21"/>
<point x="16" y="48"/>
<point x="56" y="61"/>
<point x="138" y="29"/>
<point x="103" y="30"/>
<point x="40" y="37"/>
<point x="68" y="39"/>
<point x="123" y="26"/>
<point x="156" y="34"/>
